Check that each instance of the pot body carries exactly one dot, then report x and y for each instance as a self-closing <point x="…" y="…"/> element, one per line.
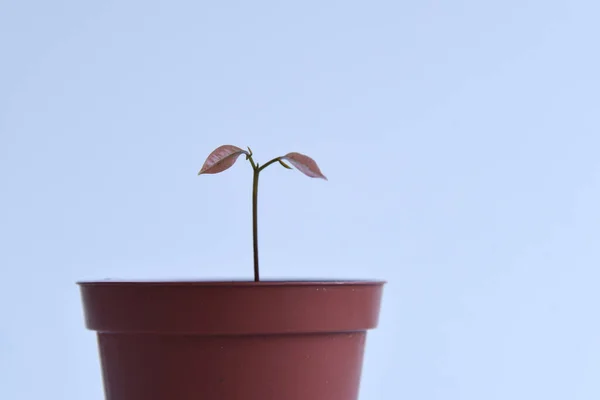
<point x="231" y="340"/>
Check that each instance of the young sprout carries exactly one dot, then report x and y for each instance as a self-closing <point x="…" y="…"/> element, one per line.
<point x="225" y="156"/>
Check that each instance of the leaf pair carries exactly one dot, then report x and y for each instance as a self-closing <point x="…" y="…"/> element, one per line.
<point x="225" y="156"/>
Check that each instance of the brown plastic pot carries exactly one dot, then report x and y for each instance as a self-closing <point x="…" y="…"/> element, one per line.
<point x="231" y="340"/>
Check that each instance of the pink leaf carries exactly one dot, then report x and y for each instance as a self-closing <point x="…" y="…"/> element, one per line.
<point x="304" y="164"/>
<point x="221" y="159"/>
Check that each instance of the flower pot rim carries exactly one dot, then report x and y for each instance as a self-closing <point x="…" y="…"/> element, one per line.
<point x="231" y="307"/>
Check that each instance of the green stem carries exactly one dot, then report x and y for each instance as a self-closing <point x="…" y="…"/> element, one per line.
<point x="254" y="222"/>
<point x="269" y="163"/>
<point x="257" y="170"/>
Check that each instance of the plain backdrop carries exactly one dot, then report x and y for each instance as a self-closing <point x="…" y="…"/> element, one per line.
<point x="460" y="140"/>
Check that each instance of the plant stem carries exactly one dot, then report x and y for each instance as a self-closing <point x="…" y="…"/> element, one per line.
<point x="257" y="168"/>
<point x="269" y="163"/>
<point x="255" y="223"/>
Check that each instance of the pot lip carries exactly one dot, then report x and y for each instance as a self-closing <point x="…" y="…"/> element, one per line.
<point x="236" y="283"/>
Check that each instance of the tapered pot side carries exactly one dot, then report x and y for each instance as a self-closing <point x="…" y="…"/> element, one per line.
<point x="289" y="340"/>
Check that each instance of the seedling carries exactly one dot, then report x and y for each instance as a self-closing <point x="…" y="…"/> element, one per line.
<point x="225" y="156"/>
